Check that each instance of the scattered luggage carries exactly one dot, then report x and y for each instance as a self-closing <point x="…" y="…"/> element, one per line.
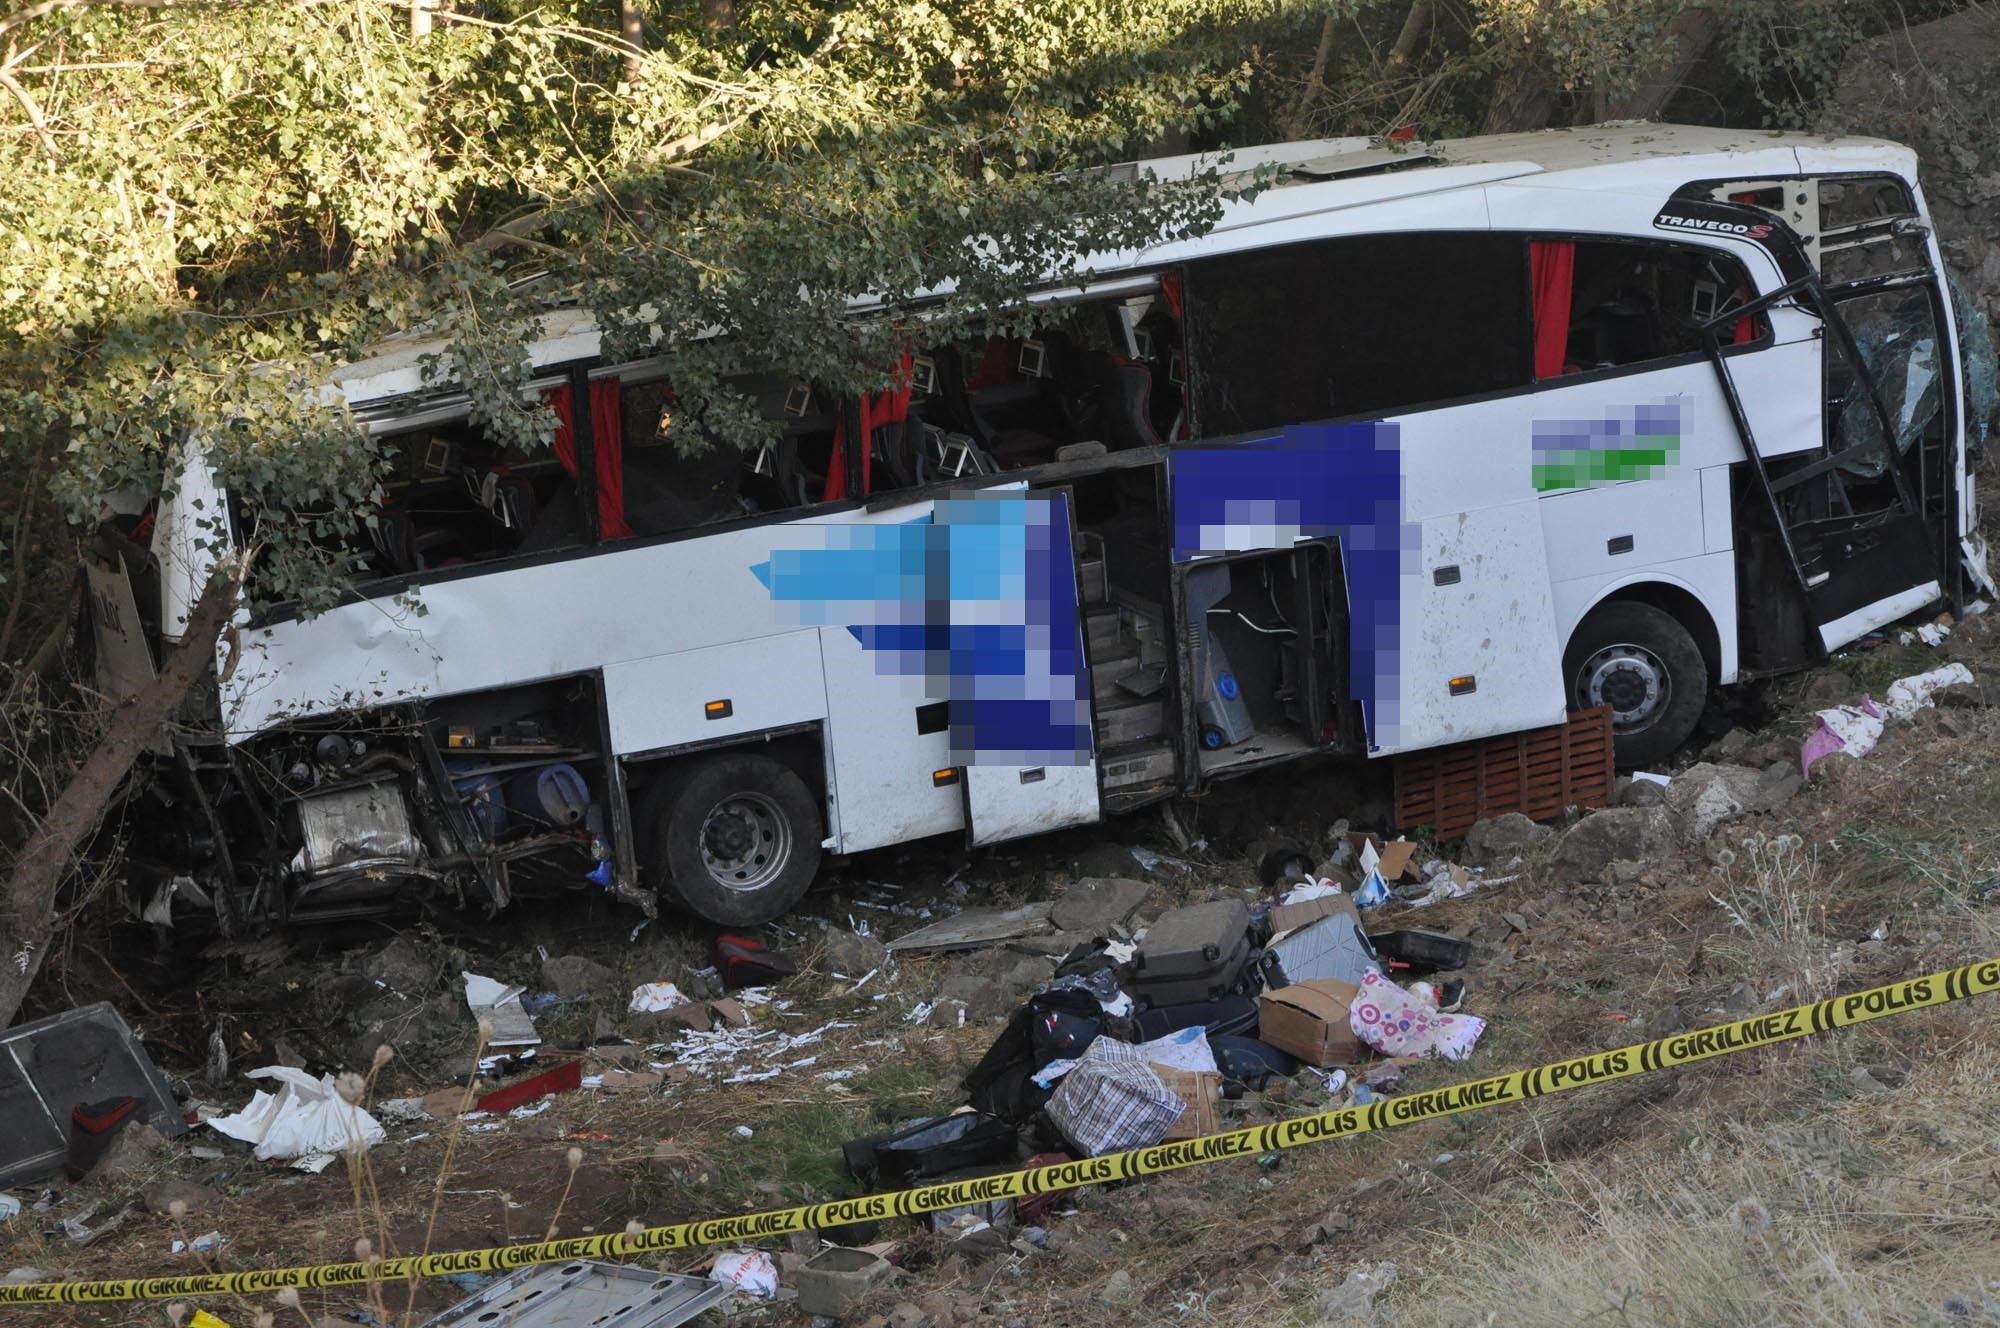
<point x="1199" y="953"/>
<point x="931" y="1149"/>
<point x="1422" y="952"/>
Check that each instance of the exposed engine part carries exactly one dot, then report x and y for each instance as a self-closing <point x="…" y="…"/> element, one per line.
<point x="365" y="826"/>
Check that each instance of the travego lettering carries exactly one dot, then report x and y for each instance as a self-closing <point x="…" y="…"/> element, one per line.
<point x="1713" y="226"/>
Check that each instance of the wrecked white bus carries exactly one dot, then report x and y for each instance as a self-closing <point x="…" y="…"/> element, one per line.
<point x="1415" y="447"/>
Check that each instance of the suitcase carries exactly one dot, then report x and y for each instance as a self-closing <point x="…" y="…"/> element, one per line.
<point x="1422" y="951"/>
<point x="1201" y="953"/>
<point x="1230" y="1015"/>
<point x="931" y="1148"/>
<point x="1250" y="1062"/>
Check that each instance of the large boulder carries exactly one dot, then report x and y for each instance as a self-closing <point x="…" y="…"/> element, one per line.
<point x="1705" y="795"/>
<point x="1499" y="840"/>
<point x="1637" y="834"/>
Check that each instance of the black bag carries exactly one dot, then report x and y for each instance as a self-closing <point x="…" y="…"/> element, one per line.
<point x="1052" y="1026"/>
<point x="1423" y="951"/>
<point x="1201" y="953"/>
<point x="1250" y="1062"/>
<point x="1230" y="1015"/>
<point x="931" y="1148"/>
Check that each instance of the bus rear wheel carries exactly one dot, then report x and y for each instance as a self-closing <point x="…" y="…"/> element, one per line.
<point x="734" y="838"/>
<point x="1638" y="660"/>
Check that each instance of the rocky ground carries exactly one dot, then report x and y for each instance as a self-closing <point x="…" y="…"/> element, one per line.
<point x="1853" y="1178"/>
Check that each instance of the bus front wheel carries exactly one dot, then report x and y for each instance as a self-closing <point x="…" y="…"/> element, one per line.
<point x="1638" y="660"/>
<point x="734" y="837"/>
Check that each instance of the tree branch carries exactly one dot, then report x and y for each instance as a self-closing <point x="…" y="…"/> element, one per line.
<point x="35" y="117"/>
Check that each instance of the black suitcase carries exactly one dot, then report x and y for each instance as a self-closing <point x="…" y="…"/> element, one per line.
<point x="931" y="1148"/>
<point x="1422" y="951"/>
<point x="1202" y="953"/>
<point x="1247" y="1061"/>
<point x="1232" y="1015"/>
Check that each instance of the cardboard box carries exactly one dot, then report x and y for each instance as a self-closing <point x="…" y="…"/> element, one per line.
<point x="1202" y="1091"/>
<point x="1290" y="917"/>
<point x="1309" y="1020"/>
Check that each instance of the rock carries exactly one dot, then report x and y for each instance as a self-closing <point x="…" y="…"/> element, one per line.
<point x="133" y="1149"/>
<point x="1353" y="1301"/>
<point x="1516" y="921"/>
<point x="988" y="991"/>
<point x="1706" y="795"/>
<point x="162" y="1195"/>
<point x="1604" y="837"/>
<point x="1665" y="1020"/>
<point x="402" y="966"/>
<point x="906" y="1315"/>
<point x="1731" y="745"/>
<point x="1098" y="904"/>
<point x="1835" y="768"/>
<point x="571" y="976"/>
<point x="1498" y="840"/>
<point x="1975" y="695"/>
<point x="852" y="953"/>
<point x="1642" y="793"/>
<point x="1866" y="1082"/>
<point x="1118" y="1287"/>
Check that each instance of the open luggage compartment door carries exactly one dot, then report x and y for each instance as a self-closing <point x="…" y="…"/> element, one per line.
<point x="1034" y="760"/>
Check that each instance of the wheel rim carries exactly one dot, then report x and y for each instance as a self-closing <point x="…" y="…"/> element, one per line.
<point x="746" y="840"/>
<point x="1630" y="679"/>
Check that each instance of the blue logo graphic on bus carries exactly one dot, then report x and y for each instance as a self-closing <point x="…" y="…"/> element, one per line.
<point x="1316" y="481"/>
<point x="1631" y="443"/>
<point x="977" y="603"/>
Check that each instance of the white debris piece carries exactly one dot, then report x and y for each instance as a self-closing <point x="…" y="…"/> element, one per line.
<point x="749" y="1271"/>
<point x="305" y="1116"/>
<point x="652" y="997"/>
<point x="500" y="1005"/>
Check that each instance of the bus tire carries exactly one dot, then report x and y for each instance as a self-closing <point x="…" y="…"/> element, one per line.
<point x="734" y="837"/>
<point x="1639" y="660"/>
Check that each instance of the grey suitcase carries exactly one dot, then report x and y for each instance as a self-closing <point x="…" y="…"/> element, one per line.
<point x="1199" y="953"/>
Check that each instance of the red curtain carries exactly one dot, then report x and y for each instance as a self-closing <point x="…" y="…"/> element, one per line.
<point x="878" y="409"/>
<point x="607" y="440"/>
<point x="1551" y="268"/>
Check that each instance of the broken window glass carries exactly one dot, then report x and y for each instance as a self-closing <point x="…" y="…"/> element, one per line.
<point x="1897" y="336"/>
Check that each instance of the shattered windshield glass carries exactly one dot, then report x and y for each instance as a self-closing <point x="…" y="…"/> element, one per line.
<point x="1898" y="341"/>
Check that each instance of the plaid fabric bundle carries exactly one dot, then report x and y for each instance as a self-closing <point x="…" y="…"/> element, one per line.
<point x="1112" y="1100"/>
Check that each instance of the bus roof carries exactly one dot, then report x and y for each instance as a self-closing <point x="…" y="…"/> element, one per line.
<point x="1323" y="175"/>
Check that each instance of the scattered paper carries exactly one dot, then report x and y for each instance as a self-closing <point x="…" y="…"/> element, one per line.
<point x="1649" y="777"/>
<point x="1309" y="890"/>
<point x="652" y="997"/>
<point x="203" y="1244"/>
<point x="305" y="1116"/>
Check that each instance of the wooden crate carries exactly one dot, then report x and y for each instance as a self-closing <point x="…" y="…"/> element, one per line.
<point x="1537" y="773"/>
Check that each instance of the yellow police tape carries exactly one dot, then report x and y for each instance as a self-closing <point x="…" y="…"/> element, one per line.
<point x="1386" y="1113"/>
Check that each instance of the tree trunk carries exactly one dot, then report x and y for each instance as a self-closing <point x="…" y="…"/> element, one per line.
<point x="1524" y="96"/>
<point x="633" y="24"/>
<point x="1414" y="25"/>
<point x="28" y="906"/>
<point x="1690" y="33"/>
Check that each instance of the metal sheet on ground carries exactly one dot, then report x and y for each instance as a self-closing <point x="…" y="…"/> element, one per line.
<point x="49" y="1066"/>
<point x="976" y="927"/>
<point x="563" y="1295"/>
